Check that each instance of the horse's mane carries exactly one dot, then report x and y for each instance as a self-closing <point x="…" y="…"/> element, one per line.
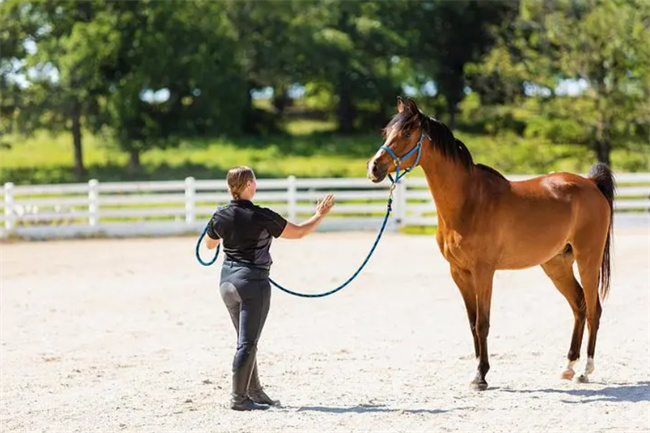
<point x="440" y="135"/>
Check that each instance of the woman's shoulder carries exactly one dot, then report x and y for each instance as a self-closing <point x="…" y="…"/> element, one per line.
<point x="272" y="221"/>
<point x="265" y="211"/>
<point x="268" y="214"/>
<point x="221" y="209"/>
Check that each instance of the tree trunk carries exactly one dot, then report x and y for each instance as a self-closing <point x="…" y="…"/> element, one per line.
<point x="604" y="128"/>
<point x="604" y="139"/>
<point x="134" y="161"/>
<point x="603" y="150"/>
<point x="345" y="110"/>
<point x="452" y="109"/>
<point x="280" y="99"/>
<point x="249" y="122"/>
<point x="79" y="168"/>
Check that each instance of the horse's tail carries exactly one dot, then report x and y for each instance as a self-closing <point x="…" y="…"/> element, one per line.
<point x="602" y="175"/>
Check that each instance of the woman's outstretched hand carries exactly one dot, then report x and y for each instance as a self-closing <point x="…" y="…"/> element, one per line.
<point x="325" y="205"/>
<point x="298" y="231"/>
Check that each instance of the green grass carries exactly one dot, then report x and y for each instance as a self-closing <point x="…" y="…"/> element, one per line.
<point x="310" y="150"/>
<point x="309" y="126"/>
<point x="44" y="158"/>
<point x="418" y="230"/>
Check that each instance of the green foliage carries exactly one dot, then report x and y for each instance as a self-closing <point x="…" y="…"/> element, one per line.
<point x="185" y="50"/>
<point x="354" y="67"/>
<point x="602" y="45"/>
<point x="448" y="35"/>
<point x="16" y="24"/>
<point x="42" y="158"/>
<point x="145" y="77"/>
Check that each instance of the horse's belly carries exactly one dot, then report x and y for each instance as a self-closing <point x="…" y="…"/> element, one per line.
<point x="532" y="248"/>
<point x="524" y="262"/>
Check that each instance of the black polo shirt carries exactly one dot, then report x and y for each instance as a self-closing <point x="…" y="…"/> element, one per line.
<point x="246" y="231"/>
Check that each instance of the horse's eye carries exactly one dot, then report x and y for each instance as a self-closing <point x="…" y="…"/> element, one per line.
<point x="407" y="136"/>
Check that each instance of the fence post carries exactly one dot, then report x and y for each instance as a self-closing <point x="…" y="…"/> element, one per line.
<point x="190" y="197"/>
<point x="9" y="206"/>
<point x="292" y="198"/>
<point x="93" y="202"/>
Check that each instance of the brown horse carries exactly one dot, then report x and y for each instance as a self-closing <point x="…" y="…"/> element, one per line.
<point x="486" y="223"/>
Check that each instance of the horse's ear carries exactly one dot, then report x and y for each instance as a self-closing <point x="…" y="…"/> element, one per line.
<point x="400" y="105"/>
<point x="412" y="106"/>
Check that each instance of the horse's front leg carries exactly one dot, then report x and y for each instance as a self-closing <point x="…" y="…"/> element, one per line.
<point x="483" y="285"/>
<point x="465" y="282"/>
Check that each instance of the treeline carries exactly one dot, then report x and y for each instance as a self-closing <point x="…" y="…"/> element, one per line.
<point x="147" y="73"/>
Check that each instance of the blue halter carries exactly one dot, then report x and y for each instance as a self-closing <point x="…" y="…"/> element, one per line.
<point x="398" y="159"/>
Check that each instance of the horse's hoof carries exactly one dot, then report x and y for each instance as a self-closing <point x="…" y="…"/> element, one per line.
<point x="568" y="374"/>
<point x="479" y="385"/>
<point x="583" y="378"/>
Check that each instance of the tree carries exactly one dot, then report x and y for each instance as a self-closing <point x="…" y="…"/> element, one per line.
<point x="598" y="47"/>
<point x="94" y="63"/>
<point x="15" y="27"/>
<point x="272" y="39"/>
<point x="185" y="50"/>
<point x="447" y="35"/>
<point x="61" y="68"/>
<point x="355" y="54"/>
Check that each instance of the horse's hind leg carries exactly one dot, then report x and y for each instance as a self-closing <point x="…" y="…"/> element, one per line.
<point x="589" y="243"/>
<point x="589" y="267"/>
<point x="560" y="270"/>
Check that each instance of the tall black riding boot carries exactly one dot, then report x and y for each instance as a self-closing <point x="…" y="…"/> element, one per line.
<point x="240" y="378"/>
<point x="256" y="392"/>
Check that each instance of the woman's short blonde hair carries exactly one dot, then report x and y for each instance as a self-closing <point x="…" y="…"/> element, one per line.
<point x="238" y="178"/>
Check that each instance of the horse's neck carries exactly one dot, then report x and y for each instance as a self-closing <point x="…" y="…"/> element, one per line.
<point x="450" y="184"/>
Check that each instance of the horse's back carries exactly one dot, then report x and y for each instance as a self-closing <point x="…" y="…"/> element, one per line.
<point x="563" y="186"/>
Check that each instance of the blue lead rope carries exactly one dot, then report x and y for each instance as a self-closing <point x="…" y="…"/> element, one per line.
<point x="198" y="246"/>
<point x="389" y="208"/>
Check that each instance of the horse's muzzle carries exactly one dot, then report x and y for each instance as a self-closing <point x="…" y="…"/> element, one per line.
<point x="376" y="172"/>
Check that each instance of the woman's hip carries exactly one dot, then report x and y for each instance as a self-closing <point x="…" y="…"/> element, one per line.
<point x="242" y="281"/>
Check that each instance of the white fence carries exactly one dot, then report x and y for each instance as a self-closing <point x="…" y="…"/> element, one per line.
<point x="176" y="207"/>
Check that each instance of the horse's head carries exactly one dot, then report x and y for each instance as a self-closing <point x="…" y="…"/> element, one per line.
<point x="402" y="143"/>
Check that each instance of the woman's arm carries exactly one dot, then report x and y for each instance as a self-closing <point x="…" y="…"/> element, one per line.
<point x="211" y="243"/>
<point x="298" y="231"/>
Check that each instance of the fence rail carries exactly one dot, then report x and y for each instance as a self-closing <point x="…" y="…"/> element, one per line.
<point x="176" y="207"/>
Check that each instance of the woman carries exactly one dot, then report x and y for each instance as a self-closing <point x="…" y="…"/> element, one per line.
<point x="246" y="231"/>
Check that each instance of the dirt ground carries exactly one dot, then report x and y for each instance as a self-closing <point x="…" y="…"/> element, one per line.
<point x="131" y="335"/>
